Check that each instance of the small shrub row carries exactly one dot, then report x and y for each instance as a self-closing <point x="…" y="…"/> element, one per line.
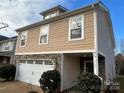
<point x="7" y="71"/>
<point x="88" y="82"/>
<point x="50" y="81"/>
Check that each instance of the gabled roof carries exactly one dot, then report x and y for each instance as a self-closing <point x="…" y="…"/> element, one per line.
<point x="8" y="39"/>
<point x="61" y="16"/>
<point x="3" y="38"/>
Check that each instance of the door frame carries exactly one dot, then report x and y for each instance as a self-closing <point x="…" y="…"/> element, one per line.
<point x="87" y="61"/>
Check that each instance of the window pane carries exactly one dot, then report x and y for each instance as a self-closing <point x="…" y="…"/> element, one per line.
<point x="76" y="33"/>
<point x="53" y="14"/>
<point x="48" y="62"/>
<point x="47" y="16"/>
<point x="76" y="23"/>
<point x="44" y="34"/>
<point x="7" y="48"/>
<point x="7" y="44"/>
<point x="23" y="35"/>
<point x="30" y="61"/>
<point x="76" y="27"/>
<point x="23" y="41"/>
<point x="22" y="61"/>
<point x="44" y="30"/>
<point x="23" y="38"/>
<point x="38" y="62"/>
<point x="43" y="39"/>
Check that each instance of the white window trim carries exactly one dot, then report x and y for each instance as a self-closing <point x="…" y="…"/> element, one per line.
<point x="56" y="52"/>
<point x="36" y="60"/>
<point x="82" y="23"/>
<point x="25" y="41"/>
<point x="85" y="64"/>
<point x="47" y="35"/>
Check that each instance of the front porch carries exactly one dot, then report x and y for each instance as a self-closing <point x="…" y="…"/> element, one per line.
<point x="70" y="65"/>
<point x="5" y="60"/>
<point x="76" y="63"/>
<point x="6" y="57"/>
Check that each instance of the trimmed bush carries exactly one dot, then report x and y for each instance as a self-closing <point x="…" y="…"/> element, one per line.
<point x="7" y="71"/>
<point x="50" y="81"/>
<point x="89" y="82"/>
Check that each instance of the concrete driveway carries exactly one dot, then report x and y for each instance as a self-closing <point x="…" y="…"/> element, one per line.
<point x="17" y="87"/>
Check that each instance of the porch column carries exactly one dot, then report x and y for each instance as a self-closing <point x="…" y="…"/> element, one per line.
<point x="62" y="64"/>
<point x="95" y="63"/>
<point x="11" y="60"/>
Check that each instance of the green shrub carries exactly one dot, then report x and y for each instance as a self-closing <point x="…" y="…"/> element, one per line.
<point x="7" y="71"/>
<point x="50" y="81"/>
<point x="121" y="68"/>
<point x="88" y="82"/>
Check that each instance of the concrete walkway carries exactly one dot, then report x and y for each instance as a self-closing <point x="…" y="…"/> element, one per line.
<point x="17" y="87"/>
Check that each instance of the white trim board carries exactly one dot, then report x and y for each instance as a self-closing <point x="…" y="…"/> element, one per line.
<point x="95" y="31"/>
<point x="62" y="72"/>
<point x="56" y="52"/>
<point x="101" y="53"/>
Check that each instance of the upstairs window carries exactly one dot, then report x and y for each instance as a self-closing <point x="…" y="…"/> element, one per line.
<point x="53" y="14"/>
<point x="44" y="34"/>
<point x="23" y="39"/>
<point x="76" y="28"/>
<point x="7" y="46"/>
<point x="47" y="16"/>
<point x="50" y="15"/>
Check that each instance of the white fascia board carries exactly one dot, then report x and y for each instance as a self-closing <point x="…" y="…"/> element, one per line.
<point x="56" y="52"/>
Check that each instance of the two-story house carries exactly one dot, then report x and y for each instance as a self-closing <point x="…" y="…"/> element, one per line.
<point x="7" y="50"/>
<point x="80" y="40"/>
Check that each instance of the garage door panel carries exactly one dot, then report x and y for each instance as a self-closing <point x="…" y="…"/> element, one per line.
<point x="23" y="76"/>
<point x="31" y="73"/>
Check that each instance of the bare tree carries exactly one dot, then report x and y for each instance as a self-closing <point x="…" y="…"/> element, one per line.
<point x="119" y="60"/>
<point x="3" y="25"/>
<point x="122" y="46"/>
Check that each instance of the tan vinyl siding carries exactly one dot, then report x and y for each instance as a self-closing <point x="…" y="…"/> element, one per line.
<point x="71" y="69"/>
<point x="58" y="37"/>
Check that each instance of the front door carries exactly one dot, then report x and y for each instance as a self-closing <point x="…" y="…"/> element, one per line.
<point x="88" y="66"/>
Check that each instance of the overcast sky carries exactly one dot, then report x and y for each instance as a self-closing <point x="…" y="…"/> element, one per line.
<point x="18" y="13"/>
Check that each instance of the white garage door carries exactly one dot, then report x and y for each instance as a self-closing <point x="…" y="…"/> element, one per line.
<point x="30" y="71"/>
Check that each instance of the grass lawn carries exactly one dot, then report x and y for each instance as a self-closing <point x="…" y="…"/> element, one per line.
<point x="120" y="79"/>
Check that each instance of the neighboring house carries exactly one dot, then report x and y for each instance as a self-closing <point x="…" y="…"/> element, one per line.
<point x="3" y="38"/>
<point x="119" y="61"/>
<point x="7" y="50"/>
<point x="80" y="40"/>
